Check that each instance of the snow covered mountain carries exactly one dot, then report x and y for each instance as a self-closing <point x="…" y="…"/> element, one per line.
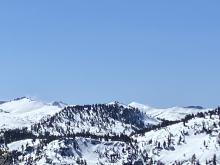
<point x="33" y="132"/>
<point x="173" y="113"/>
<point x="98" y="119"/>
<point x="23" y="112"/>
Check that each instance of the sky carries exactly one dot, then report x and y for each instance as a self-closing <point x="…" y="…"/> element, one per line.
<point x="159" y="53"/>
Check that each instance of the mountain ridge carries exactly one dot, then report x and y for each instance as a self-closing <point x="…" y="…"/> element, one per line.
<point x="112" y="133"/>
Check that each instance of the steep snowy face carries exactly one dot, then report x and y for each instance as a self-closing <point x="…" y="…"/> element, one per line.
<point x="173" y="113"/>
<point x="24" y="112"/>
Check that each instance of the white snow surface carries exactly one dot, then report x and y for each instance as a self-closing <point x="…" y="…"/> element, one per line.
<point x="67" y="152"/>
<point x="203" y="145"/>
<point x="173" y="113"/>
<point x="24" y="112"/>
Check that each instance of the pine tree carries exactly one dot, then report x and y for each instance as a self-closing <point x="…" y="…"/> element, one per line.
<point x="193" y="159"/>
<point x="214" y="159"/>
<point x="164" y="144"/>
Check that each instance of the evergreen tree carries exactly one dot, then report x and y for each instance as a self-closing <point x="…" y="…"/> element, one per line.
<point x="214" y="159"/>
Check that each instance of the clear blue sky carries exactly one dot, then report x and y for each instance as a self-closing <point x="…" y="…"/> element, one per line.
<point x="161" y="53"/>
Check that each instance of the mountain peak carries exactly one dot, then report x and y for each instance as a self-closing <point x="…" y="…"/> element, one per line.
<point x="139" y="106"/>
<point x="59" y="104"/>
<point x="118" y="103"/>
<point x="23" y="98"/>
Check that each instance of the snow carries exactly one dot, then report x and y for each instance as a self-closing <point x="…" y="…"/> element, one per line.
<point x="24" y="112"/>
<point x="194" y="142"/>
<point x="18" y="144"/>
<point x="173" y="113"/>
<point x="140" y="106"/>
<point x="69" y="150"/>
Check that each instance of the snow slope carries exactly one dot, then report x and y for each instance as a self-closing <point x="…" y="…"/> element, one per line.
<point x="24" y="112"/>
<point x="68" y="151"/>
<point x="173" y="113"/>
<point x="193" y="141"/>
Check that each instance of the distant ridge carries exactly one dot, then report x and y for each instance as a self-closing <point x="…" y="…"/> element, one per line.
<point x="2" y="102"/>
<point x="195" y="107"/>
<point x="59" y="104"/>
